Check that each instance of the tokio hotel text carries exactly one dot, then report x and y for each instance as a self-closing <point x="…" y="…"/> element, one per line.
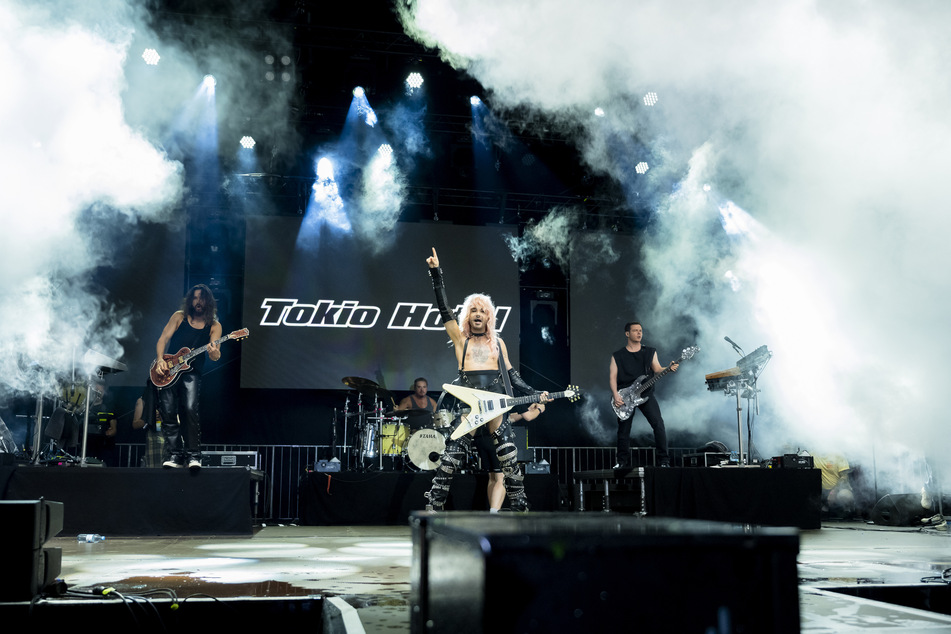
<point x="328" y="313"/>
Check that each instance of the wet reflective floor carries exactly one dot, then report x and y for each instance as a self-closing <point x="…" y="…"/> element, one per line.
<point x="370" y="568"/>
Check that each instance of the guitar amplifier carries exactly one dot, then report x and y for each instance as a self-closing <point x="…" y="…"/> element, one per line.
<point x="245" y="459"/>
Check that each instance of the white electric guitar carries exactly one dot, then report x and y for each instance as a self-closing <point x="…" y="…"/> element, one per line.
<point x="484" y="406"/>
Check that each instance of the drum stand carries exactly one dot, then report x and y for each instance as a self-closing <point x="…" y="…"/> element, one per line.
<point x="346" y="449"/>
<point x="85" y="432"/>
<point x="369" y="429"/>
<point x="362" y="438"/>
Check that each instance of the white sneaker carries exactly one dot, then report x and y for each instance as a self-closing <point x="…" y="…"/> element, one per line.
<point x="171" y="464"/>
<point x="194" y="463"/>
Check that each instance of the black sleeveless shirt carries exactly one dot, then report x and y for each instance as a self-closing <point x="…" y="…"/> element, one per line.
<point x="633" y="365"/>
<point x="188" y="337"/>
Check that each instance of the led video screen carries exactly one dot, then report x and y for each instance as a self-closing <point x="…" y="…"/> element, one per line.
<point x="342" y="307"/>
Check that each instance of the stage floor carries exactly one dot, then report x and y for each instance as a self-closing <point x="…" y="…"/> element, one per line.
<point x="369" y="567"/>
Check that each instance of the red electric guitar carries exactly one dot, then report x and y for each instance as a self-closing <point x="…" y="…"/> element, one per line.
<point x="178" y="362"/>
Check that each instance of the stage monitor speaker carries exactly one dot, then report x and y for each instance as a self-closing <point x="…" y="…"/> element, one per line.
<point x="899" y="509"/>
<point x="586" y="572"/>
<point x="28" y="567"/>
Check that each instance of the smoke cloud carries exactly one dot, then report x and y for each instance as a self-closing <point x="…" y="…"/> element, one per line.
<point x="75" y="175"/>
<point x="94" y="146"/>
<point x="822" y="127"/>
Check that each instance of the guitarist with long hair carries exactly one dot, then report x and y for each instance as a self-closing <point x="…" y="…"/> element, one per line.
<point x="192" y="326"/>
<point x="630" y="363"/>
<point x="482" y="358"/>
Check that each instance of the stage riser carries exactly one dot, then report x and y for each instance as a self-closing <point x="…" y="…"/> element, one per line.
<point x="130" y="502"/>
<point x="767" y="497"/>
<point x="387" y="498"/>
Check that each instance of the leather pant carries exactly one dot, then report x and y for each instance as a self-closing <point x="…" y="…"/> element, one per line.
<point x="456" y="455"/>
<point x="181" y="428"/>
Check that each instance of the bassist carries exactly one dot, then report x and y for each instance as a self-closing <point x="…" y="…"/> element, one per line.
<point x="193" y="326"/>
<point x="628" y="364"/>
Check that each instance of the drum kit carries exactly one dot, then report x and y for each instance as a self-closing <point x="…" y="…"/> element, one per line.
<point x="386" y="438"/>
<point x="73" y="420"/>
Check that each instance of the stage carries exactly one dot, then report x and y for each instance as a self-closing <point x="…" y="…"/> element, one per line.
<point x="223" y="501"/>
<point x="172" y="534"/>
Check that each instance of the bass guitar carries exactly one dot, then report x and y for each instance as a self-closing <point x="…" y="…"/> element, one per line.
<point x="484" y="406"/>
<point x="178" y="362"/>
<point x="632" y="394"/>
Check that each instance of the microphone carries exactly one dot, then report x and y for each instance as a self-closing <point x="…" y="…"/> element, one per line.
<point x="738" y="349"/>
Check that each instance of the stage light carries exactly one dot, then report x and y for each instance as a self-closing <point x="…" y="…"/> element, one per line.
<point x="247" y="142"/>
<point x="641" y="167"/>
<point x="414" y="80"/>
<point x="151" y="57"/>
<point x="326" y="203"/>
<point x="650" y="99"/>
<point x="268" y="59"/>
<point x="599" y="112"/>
<point x="361" y="106"/>
<point x="737" y="222"/>
<point x="286" y="60"/>
<point x="475" y="101"/>
<point x="385" y="150"/>
<point x="269" y="75"/>
<point x="209" y="81"/>
<point x="325" y="170"/>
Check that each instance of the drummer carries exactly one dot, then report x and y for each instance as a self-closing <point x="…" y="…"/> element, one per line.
<point x="419" y="398"/>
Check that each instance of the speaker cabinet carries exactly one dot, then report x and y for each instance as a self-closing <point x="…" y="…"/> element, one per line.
<point x="571" y="572"/>
<point x="28" y="567"/>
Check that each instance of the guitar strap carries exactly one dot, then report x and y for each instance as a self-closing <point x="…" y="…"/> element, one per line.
<point x="443" y="395"/>
<point x="505" y="376"/>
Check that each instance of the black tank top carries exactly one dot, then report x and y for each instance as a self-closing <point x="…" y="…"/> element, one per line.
<point x="188" y="337"/>
<point x="633" y="365"/>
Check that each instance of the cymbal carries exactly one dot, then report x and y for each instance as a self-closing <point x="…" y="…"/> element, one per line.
<point x="368" y="388"/>
<point x="357" y="382"/>
<point x="406" y="413"/>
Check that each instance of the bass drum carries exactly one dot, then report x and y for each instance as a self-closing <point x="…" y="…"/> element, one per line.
<point x="425" y="448"/>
